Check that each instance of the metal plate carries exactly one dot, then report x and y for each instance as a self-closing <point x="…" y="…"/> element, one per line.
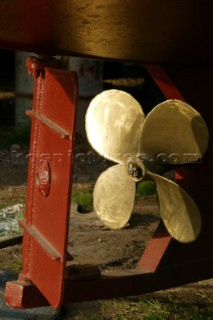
<point x="49" y="181"/>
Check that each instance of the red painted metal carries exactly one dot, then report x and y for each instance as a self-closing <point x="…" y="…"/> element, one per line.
<point x="165" y="262"/>
<point x="36" y="65"/>
<point x="49" y="182"/>
<point x="119" y="283"/>
<point x="155" y="250"/>
<point x="164" y="82"/>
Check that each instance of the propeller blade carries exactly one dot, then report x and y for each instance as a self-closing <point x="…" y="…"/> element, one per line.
<point x="114" y="196"/>
<point x="114" y="121"/>
<point x="178" y="210"/>
<point x="175" y="129"/>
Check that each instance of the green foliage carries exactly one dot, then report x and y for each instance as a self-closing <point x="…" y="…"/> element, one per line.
<point x="146" y="188"/>
<point x="84" y="200"/>
<point x="96" y="317"/>
<point x="17" y="266"/>
<point x="15" y="135"/>
<point x="154" y="309"/>
<point x="157" y="310"/>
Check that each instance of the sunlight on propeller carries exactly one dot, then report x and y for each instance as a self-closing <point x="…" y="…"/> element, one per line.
<point x="117" y="129"/>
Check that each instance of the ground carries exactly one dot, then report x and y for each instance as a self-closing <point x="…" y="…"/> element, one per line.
<point x="89" y="243"/>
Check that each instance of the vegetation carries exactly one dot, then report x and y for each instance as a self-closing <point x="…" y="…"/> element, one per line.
<point x="84" y="200"/>
<point x="84" y="197"/>
<point x="145" y="189"/>
<point x="152" y="309"/>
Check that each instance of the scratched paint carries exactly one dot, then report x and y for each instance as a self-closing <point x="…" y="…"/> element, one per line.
<point x="8" y="313"/>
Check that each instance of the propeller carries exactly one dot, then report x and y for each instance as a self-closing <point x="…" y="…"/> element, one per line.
<point x="118" y="130"/>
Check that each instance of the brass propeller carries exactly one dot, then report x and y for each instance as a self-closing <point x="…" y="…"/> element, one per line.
<point x="117" y="130"/>
<point x="114" y="122"/>
<point x="114" y="196"/>
<point x="178" y="210"/>
<point x="175" y="129"/>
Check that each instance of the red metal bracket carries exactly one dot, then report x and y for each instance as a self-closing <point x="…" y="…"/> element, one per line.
<point x="49" y="179"/>
<point x="165" y="262"/>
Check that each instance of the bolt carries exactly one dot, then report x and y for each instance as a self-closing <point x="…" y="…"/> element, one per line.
<point x="136" y="170"/>
<point x="36" y="65"/>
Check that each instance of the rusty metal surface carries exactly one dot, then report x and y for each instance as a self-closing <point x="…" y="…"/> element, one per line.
<point x="49" y="184"/>
<point x="139" y="30"/>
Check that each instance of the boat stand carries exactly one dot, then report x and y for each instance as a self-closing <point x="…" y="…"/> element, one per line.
<point x="45" y="278"/>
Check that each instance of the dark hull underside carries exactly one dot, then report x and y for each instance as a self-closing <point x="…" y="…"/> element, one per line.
<point x="154" y="31"/>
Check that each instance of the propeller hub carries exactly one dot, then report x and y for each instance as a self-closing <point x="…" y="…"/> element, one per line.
<point x="136" y="169"/>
